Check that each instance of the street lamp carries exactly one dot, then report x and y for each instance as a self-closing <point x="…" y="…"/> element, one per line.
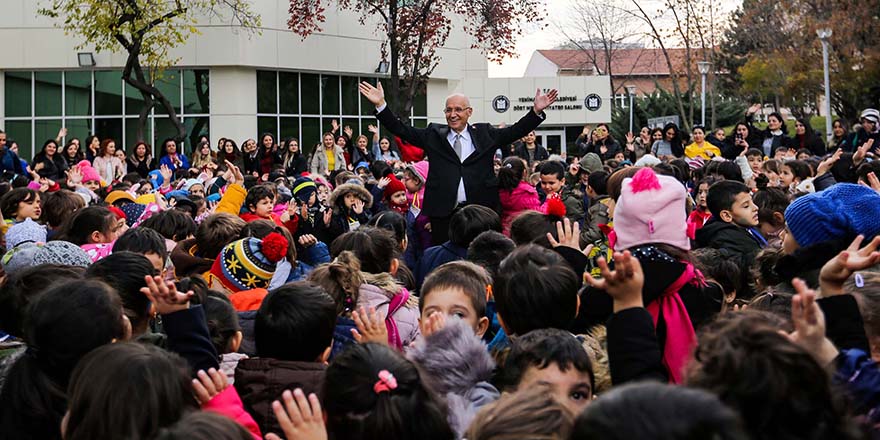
<point x="631" y="91"/>
<point x="824" y="35"/>
<point x="704" y="67"/>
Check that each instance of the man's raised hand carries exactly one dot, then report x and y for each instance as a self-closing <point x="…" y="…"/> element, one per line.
<point x="542" y="101"/>
<point x="376" y="95"/>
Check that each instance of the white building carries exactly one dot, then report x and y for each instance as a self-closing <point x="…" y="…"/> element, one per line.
<point x="232" y="84"/>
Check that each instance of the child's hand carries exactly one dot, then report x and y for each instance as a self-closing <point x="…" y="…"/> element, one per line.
<point x="164" y="295"/>
<point x="74" y="176"/>
<point x="838" y="269"/>
<point x="307" y="240"/>
<point x="372" y="128"/>
<point x="873" y="182"/>
<point x="826" y="164"/>
<point x="809" y="324"/>
<point x="624" y="284"/>
<point x="370" y="327"/>
<point x="300" y="419"/>
<point x="328" y="215"/>
<point x="208" y="385"/>
<point x="166" y="174"/>
<point x="569" y="236"/>
<point x="862" y="151"/>
<point x="358" y="206"/>
<point x="433" y="323"/>
<point x="383" y="182"/>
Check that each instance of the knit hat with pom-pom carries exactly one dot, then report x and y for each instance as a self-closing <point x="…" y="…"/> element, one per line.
<point x="651" y="209"/>
<point x="248" y="263"/>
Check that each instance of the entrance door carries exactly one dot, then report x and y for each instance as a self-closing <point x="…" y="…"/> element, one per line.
<point x="552" y="140"/>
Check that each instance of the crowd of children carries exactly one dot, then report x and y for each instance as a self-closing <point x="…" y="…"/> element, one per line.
<point x="731" y="293"/>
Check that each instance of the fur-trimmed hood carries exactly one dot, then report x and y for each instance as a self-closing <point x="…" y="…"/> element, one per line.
<point x="339" y="193"/>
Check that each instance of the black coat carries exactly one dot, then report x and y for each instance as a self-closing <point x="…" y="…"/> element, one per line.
<point x="813" y="143"/>
<point x="53" y="169"/>
<point x="480" y="182"/>
<point x="541" y="154"/>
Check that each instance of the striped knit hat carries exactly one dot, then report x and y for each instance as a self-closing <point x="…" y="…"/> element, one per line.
<point x="248" y="263"/>
<point x="840" y="212"/>
<point x="303" y="188"/>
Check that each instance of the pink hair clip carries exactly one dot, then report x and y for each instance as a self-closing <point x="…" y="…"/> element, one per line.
<point x="386" y="382"/>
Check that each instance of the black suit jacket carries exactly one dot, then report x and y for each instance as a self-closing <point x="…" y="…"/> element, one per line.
<point x="480" y="183"/>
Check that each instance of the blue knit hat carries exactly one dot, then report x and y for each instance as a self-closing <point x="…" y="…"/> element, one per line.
<point x="840" y="212"/>
<point x="303" y="188"/>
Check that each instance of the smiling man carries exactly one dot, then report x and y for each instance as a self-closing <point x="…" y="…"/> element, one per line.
<point x="461" y="153"/>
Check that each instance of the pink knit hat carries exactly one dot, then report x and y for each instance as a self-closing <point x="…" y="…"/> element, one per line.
<point x="89" y="173"/>
<point x="651" y="209"/>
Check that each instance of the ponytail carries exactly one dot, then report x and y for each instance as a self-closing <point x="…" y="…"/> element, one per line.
<point x="342" y="279"/>
<point x="511" y="173"/>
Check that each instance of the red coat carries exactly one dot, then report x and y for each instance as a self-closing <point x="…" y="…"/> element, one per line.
<point x="522" y="198"/>
<point x="229" y="404"/>
<point x="409" y="152"/>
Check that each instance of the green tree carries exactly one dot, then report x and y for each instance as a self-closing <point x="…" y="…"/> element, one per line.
<point x="145" y="30"/>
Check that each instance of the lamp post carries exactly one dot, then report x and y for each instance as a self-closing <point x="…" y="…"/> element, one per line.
<point x="631" y="91"/>
<point x="824" y="35"/>
<point x="704" y="67"/>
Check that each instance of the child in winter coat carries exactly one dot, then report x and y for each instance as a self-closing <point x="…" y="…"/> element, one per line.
<point x="349" y="202"/>
<point x="515" y="193"/>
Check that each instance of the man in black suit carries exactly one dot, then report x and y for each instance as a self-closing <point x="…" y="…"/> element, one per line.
<point x="461" y="155"/>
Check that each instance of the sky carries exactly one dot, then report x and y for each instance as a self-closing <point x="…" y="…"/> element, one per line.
<point x="551" y="36"/>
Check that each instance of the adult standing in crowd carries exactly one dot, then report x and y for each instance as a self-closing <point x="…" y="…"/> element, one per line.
<point x="141" y="160"/>
<point x="462" y="155"/>
<point x="604" y="146"/>
<point x="805" y="137"/>
<point x="327" y="156"/>
<point x="532" y="151"/>
<point x="48" y="162"/>
<point x="171" y="157"/>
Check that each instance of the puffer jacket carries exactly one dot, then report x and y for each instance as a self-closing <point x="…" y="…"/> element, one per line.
<point x="522" y="198"/>
<point x="377" y="292"/>
<point x="260" y="381"/>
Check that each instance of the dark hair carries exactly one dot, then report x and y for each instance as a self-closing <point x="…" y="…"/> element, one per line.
<point x="470" y="278"/>
<point x="722" y="196"/>
<point x="216" y="231"/>
<point x="59" y="206"/>
<point x="354" y="409"/>
<point x="552" y="167"/>
<point x="172" y="224"/>
<point x="471" y="221"/>
<point x="125" y="272"/>
<point x="87" y="220"/>
<point x="488" y="249"/>
<point x="374" y="247"/>
<point x="658" y="411"/>
<point x="222" y="321"/>
<point x="532" y="227"/>
<point x="752" y="368"/>
<point x="9" y="202"/>
<point x="599" y="182"/>
<point x="511" y="172"/>
<point x="529" y="414"/>
<point x="535" y="288"/>
<point x="256" y="194"/>
<point x="540" y="348"/>
<point x="63" y="324"/>
<point x="799" y="169"/>
<point x="751" y="152"/>
<point x="295" y="322"/>
<point x="770" y="201"/>
<point x="778" y="117"/>
<point x="204" y="425"/>
<point x="615" y="180"/>
<point x="719" y="266"/>
<point x="24" y="287"/>
<point x="864" y="169"/>
<point x="142" y="241"/>
<point x="104" y="382"/>
<point x="391" y="221"/>
<point x="164" y="151"/>
<point x="380" y="169"/>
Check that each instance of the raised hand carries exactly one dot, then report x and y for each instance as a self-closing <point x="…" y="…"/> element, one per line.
<point x="348" y="131"/>
<point x="370" y="327"/>
<point x="873" y="182"/>
<point x="383" y="182"/>
<point x="809" y="324"/>
<point x="74" y="176"/>
<point x="164" y="295"/>
<point x="358" y="206"/>
<point x="433" y="323"/>
<point x="334" y="125"/>
<point x="543" y="101"/>
<point x="373" y="129"/>
<point x="376" y="95"/>
<point x="838" y="269"/>
<point x="166" y="175"/>
<point x="826" y="164"/>
<point x="328" y="215"/>
<point x="862" y="151"/>
<point x="300" y="418"/>
<point x="208" y="384"/>
<point x="624" y="284"/>
<point x="569" y="236"/>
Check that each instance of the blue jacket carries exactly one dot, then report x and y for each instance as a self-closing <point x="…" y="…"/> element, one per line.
<point x="9" y="162"/>
<point x="437" y="256"/>
<point x="166" y="160"/>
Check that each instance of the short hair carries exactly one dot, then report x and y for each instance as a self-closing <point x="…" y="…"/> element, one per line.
<point x="470" y="278"/>
<point x="535" y="288"/>
<point x="125" y="271"/>
<point x="295" y="322"/>
<point x="864" y="169"/>
<point x="488" y="249"/>
<point x="770" y="201"/>
<point x="205" y="425"/>
<point x="222" y="321"/>
<point x="799" y="169"/>
<point x="719" y="266"/>
<point x="256" y="194"/>
<point x="142" y="241"/>
<point x="722" y="196"/>
<point x="9" y="202"/>
<point x="532" y="413"/>
<point x="599" y="182"/>
<point x="552" y="167"/>
<point x="661" y="411"/>
<point x="173" y="224"/>
<point x="615" y="180"/>
<point x="754" y="152"/>
<point x="374" y="247"/>
<point x="60" y="205"/>
<point x="24" y="287"/>
<point x="87" y="220"/>
<point x="392" y="221"/>
<point x="471" y="221"/>
<point x="532" y="227"/>
<point x="540" y="348"/>
<point x="217" y="231"/>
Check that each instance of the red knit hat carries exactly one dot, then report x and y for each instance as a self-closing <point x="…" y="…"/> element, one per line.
<point x="394" y="186"/>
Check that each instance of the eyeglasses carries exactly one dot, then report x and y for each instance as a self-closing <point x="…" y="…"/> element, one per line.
<point x="449" y="110"/>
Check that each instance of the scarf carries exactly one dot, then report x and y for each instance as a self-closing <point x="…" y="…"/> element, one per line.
<point x="680" y="335"/>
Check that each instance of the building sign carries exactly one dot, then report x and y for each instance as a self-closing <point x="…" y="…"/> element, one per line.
<point x="662" y="121"/>
<point x="562" y="103"/>
<point x="501" y="104"/>
<point x="593" y="102"/>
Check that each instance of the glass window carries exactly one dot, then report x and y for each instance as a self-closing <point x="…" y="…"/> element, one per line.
<point x="195" y="128"/>
<point x="350" y="95"/>
<point x="309" y="86"/>
<point x="420" y="105"/>
<point x="355" y="127"/>
<point x="108" y="93"/>
<point x="169" y="85"/>
<point x="78" y="128"/>
<point x="365" y="129"/>
<point x="267" y="96"/>
<point x="109" y="128"/>
<point x="47" y="94"/>
<point x="20" y="131"/>
<point x="329" y="95"/>
<point x="18" y="94"/>
<point x="45" y="129"/>
<point x="267" y="124"/>
<point x="196" y="96"/>
<point x="420" y="123"/>
<point x="311" y="134"/>
<point x="289" y="128"/>
<point x="367" y="107"/>
<point x="131" y="135"/>
<point x="134" y="101"/>
<point x="165" y="129"/>
<point x="78" y="93"/>
<point x="288" y="84"/>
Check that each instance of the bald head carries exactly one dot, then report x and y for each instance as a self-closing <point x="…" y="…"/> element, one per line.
<point x="458" y="111"/>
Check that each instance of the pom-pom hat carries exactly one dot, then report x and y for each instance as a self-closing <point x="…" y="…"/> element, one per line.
<point x="394" y="186"/>
<point x="651" y="209"/>
<point x="249" y="263"/>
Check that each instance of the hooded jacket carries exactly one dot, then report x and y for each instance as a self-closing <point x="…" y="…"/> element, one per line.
<point x="186" y="262"/>
<point x="260" y="381"/>
<point x="341" y="222"/>
<point x="457" y="365"/>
